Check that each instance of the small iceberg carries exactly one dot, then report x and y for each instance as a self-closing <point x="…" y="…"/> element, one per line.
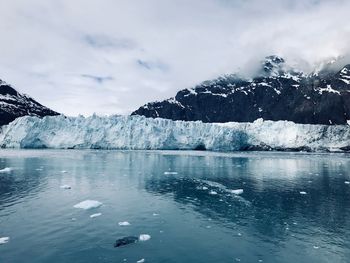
<point x="65" y="186"/>
<point x="237" y="191"/>
<point x="6" y="170"/>
<point x="303" y="193"/>
<point x="124" y="223"/>
<point x="64" y="172"/>
<point x="213" y="192"/>
<point x="144" y="237"/>
<point x="170" y="173"/>
<point x="346" y="182"/>
<point x="4" y="240"/>
<point x="88" y="204"/>
<point x="95" y="215"/>
<point x="141" y="260"/>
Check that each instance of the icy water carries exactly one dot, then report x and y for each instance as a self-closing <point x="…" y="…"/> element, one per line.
<point x="294" y="207"/>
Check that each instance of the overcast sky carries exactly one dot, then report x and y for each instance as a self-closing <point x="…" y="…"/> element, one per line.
<point x="112" y="56"/>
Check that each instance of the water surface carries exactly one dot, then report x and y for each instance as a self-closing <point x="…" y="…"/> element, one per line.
<point x="171" y="196"/>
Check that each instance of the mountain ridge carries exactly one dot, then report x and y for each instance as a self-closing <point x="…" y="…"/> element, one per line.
<point x="277" y="92"/>
<point x="14" y="104"/>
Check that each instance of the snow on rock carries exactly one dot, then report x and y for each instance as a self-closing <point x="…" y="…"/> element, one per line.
<point x="124" y="223"/>
<point x="88" y="204"/>
<point x="138" y="132"/>
<point x="4" y="240"/>
<point x="144" y="237"/>
<point x="95" y="215"/>
<point x="6" y="170"/>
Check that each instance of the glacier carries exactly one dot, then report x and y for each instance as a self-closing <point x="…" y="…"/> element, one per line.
<point x="141" y="133"/>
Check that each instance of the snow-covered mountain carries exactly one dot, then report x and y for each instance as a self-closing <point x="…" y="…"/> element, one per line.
<point x="138" y="132"/>
<point x="14" y="105"/>
<point x="278" y="92"/>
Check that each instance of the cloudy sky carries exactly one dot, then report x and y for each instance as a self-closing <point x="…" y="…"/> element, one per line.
<point x="112" y="56"/>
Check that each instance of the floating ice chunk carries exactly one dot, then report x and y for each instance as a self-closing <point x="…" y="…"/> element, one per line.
<point x="144" y="237"/>
<point x="63" y="171"/>
<point x="204" y="188"/>
<point x="346" y="182"/>
<point x="65" y="186"/>
<point x="316" y="247"/>
<point x="124" y="223"/>
<point x="170" y="173"/>
<point x="303" y="193"/>
<point x="237" y="191"/>
<point x="155" y="214"/>
<point x="141" y="260"/>
<point x="95" y="215"/>
<point x="88" y="204"/>
<point x="213" y="192"/>
<point x="4" y="240"/>
<point x="6" y="170"/>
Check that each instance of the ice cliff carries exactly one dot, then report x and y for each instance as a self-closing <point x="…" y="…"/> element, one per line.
<point x="138" y="132"/>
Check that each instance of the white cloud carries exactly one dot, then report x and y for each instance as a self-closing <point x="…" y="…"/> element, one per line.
<point x="109" y="56"/>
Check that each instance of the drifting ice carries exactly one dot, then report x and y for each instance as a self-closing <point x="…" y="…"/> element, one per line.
<point x="144" y="237"/>
<point x="4" y="240"/>
<point x="125" y="223"/>
<point x="88" y="204"/>
<point x="6" y="170"/>
<point x="138" y="132"/>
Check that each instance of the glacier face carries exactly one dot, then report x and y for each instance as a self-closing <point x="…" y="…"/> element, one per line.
<point x="140" y="133"/>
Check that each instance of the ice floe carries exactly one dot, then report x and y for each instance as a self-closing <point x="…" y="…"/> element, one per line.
<point x="6" y="170"/>
<point x="237" y="191"/>
<point x="65" y="186"/>
<point x="124" y="223"/>
<point x="302" y="192"/>
<point x="95" y="215"/>
<point x="4" y="240"/>
<point x="141" y="260"/>
<point x="170" y="173"/>
<point x="144" y="237"/>
<point x="88" y="204"/>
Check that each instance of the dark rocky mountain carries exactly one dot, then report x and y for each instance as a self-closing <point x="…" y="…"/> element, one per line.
<point x="278" y="92"/>
<point x="14" y="104"/>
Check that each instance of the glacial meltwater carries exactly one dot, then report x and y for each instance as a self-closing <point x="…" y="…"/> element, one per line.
<point x="173" y="206"/>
